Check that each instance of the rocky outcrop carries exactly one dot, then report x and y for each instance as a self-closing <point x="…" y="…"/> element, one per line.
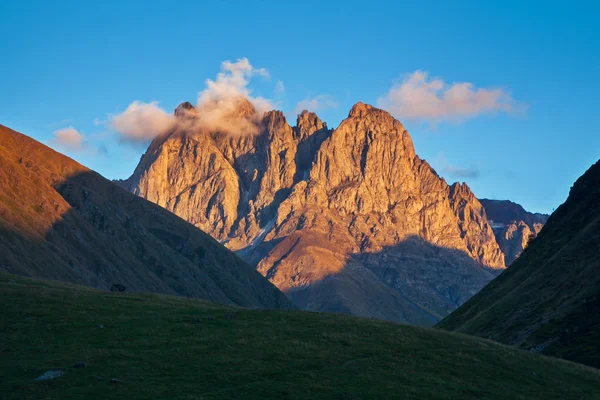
<point x="348" y="220"/>
<point x="513" y="227"/>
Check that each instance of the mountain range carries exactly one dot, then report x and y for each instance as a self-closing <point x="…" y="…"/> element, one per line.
<point x="346" y="220"/>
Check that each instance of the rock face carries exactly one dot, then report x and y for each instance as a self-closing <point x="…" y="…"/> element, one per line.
<point x="548" y="300"/>
<point x="513" y="226"/>
<point x="61" y="221"/>
<point x="346" y="220"/>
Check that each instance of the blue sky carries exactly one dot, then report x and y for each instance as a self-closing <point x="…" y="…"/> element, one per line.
<point x="74" y="64"/>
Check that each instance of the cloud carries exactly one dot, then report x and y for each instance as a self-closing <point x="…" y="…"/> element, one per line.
<point x="221" y="104"/>
<point x="455" y="171"/>
<point x="69" y="138"/>
<point x="141" y="121"/>
<point x="318" y="103"/>
<point x="419" y="97"/>
<point x="225" y="105"/>
<point x="461" y="172"/>
<point x="279" y="88"/>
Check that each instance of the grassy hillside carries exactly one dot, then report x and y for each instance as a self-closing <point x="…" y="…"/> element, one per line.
<point x="59" y="220"/>
<point x="549" y="299"/>
<point x="168" y="347"/>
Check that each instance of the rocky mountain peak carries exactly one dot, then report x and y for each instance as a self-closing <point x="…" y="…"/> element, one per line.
<point x="275" y="119"/>
<point x="244" y="108"/>
<point x="184" y="109"/>
<point x="461" y="191"/>
<point x="310" y="207"/>
<point x="309" y="121"/>
<point x="359" y="110"/>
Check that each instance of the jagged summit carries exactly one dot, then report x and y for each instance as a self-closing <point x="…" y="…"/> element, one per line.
<point x="352" y="212"/>
<point x="360" y="109"/>
<point x="184" y="108"/>
<point x="308" y="120"/>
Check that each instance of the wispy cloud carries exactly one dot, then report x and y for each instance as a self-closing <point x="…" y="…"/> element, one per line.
<point x="69" y="138"/>
<point x="317" y="103"/>
<point x="461" y="172"/>
<point x="279" y="88"/>
<point x="454" y="171"/>
<point x="419" y="97"/>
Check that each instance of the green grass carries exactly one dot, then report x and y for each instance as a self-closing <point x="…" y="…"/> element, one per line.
<point x="174" y="348"/>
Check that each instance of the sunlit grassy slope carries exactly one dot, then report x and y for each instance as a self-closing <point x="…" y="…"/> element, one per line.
<point x="175" y="348"/>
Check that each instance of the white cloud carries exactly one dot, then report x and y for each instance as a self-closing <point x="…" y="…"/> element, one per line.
<point x="420" y="97"/>
<point x="219" y="103"/>
<point x="69" y="138"/>
<point x="220" y="107"/>
<point x="318" y="103"/>
<point x="141" y="122"/>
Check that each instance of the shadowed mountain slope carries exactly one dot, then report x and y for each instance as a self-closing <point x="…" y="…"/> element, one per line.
<point x="548" y="300"/>
<point x="61" y="221"/>
<point x="164" y="347"/>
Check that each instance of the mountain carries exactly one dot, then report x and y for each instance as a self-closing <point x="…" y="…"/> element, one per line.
<point x="59" y="220"/>
<point x="513" y="226"/>
<point x="548" y="300"/>
<point x="163" y="347"/>
<point x="348" y="220"/>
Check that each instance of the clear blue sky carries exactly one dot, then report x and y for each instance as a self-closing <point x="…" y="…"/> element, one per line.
<point x="71" y="63"/>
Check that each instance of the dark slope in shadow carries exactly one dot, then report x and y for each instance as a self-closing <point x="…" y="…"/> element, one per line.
<point x="548" y="300"/>
<point x="61" y="221"/>
<point x="412" y="281"/>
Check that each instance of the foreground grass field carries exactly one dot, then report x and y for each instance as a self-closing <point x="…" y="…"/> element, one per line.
<point x="173" y="348"/>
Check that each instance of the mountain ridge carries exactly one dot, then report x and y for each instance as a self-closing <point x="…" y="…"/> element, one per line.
<point x="354" y="192"/>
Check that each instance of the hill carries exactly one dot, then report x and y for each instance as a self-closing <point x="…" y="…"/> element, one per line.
<point x="62" y="221"/>
<point x="548" y="300"/>
<point x="163" y="347"/>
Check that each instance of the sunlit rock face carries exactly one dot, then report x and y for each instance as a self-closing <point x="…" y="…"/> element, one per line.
<point x="345" y="220"/>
